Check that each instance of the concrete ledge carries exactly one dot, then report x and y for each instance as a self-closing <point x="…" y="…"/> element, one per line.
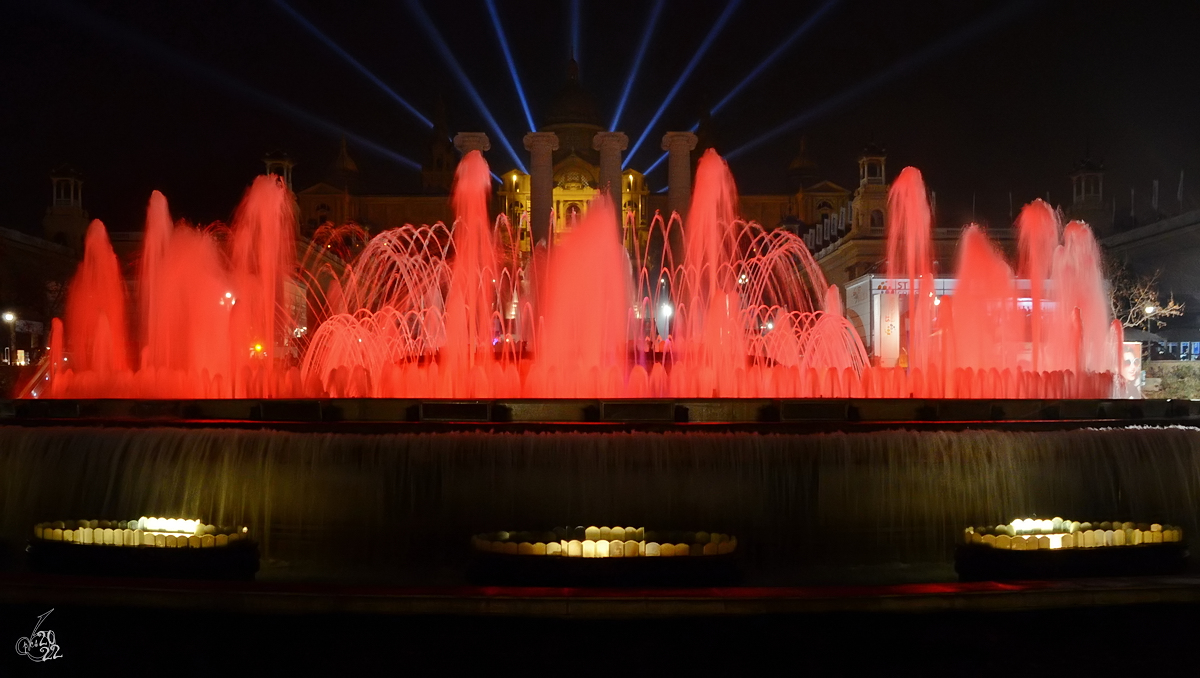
<point x="821" y="414"/>
<point x="269" y="598"/>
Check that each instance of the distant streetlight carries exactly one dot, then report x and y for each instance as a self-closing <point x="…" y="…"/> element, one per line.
<point x="10" y="318"/>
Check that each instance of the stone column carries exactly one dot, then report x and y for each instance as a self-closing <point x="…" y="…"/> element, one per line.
<point x="466" y="142"/>
<point x="610" y="145"/>
<point x="541" y="147"/>
<point x="679" y="170"/>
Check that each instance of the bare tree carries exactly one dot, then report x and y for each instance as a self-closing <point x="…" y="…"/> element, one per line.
<point x="1136" y="300"/>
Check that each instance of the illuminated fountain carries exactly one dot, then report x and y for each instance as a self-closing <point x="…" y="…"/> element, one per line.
<point x="605" y="542"/>
<point x="575" y="556"/>
<point x="736" y="311"/>
<point x="1108" y="548"/>
<point x="713" y="308"/>
<point x="146" y="547"/>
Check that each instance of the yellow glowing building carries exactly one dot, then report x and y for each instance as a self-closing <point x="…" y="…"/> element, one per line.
<point x="573" y="119"/>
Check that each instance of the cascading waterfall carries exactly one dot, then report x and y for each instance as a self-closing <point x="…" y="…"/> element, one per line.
<point x="795" y="501"/>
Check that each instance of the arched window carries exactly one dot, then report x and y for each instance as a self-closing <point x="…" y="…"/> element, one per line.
<point x="824" y="210"/>
<point x="876" y="220"/>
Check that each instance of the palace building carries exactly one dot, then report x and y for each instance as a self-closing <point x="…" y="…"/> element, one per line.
<point x="574" y="157"/>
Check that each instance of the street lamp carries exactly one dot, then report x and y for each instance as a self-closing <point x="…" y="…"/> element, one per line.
<point x="10" y="318"/>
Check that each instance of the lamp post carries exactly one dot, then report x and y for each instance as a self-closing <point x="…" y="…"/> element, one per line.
<point x="1150" y="310"/>
<point x="10" y="318"/>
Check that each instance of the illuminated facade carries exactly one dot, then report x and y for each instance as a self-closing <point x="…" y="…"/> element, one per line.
<point x="843" y="228"/>
<point x="576" y="168"/>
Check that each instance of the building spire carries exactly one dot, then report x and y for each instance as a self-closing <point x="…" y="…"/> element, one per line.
<point x="344" y="162"/>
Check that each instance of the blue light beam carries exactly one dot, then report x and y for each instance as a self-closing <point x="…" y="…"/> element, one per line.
<point x="758" y="70"/>
<point x="444" y="50"/>
<point x="576" y="20"/>
<point x="308" y="26"/>
<point x="708" y="40"/>
<point x="663" y="157"/>
<point x="778" y="52"/>
<point x="655" y="12"/>
<point x="162" y="54"/>
<point x="512" y="67"/>
<point x="897" y="69"/>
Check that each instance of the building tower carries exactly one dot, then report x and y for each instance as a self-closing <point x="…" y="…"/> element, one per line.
<point x="66" y="221"/>
<point x="437" y="172"/>
<point x="1087" y="196"/>
<point x="870" y="198"/>
<point x="342" y="176"/>
<point x="279" y="164"/>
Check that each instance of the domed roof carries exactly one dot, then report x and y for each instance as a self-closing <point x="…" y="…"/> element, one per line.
<point x="802" y="163"/>
<point x="573" y="105"/>
<point x="874" y="149"/>
<point x="65" y="172"/>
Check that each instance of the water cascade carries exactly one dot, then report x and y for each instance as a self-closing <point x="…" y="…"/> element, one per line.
<point x="795" y="501"/>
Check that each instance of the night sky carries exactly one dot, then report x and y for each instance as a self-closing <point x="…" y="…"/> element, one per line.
<point x="985" y="98"/>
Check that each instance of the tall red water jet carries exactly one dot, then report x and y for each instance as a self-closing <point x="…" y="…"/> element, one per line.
<point x="982" y="325"/>
<point x="1038" y="235"/>
<point x="910" y="259"/>
<point x="437" y="312"/>
<point x="471" y="300"/>
<point x="1081" y="292"/>
<point x="586" y="309"/>
<point x="95" y="318"/>
<point x="263" y="264"/>
<point x="711" y="329"/>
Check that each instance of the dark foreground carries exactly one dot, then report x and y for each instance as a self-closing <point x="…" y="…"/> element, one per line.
<point x="1134" y="627"/>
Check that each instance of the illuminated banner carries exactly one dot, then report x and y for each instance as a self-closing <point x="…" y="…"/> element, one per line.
<point x="889" y="329"/>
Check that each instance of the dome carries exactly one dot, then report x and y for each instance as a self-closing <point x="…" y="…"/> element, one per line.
<point x="874" y="149"/>
<point x="572" y="105"/>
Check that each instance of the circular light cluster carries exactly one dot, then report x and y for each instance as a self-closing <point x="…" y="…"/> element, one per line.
<point x="605" y="542"/>
<point x="143" y="532"/>
<point x="1033" y="535"/>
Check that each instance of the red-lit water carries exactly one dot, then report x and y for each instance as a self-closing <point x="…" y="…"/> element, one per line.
<point x="714" y="307"/>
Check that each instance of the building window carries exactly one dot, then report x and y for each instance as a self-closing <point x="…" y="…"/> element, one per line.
<point x="824" y="210"/>
<point x="876" y="220"/>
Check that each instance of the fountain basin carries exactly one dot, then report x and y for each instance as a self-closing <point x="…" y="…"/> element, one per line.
<point x="604" y="557"/>
<point x="137" y="549"/>
<point x="1054" y="549"/>
<point x="806" y="500"/>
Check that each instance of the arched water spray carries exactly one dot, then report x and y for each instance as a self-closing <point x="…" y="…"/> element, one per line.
<point x="714" y="307"/>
